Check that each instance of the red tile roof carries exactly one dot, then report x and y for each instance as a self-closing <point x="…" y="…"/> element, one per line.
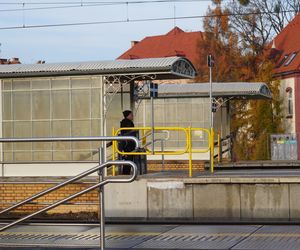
<point x="287" y="44"/>
<point x="174" y="43"/>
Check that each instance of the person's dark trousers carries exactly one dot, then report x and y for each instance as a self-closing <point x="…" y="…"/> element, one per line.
<point x="126" y="169"/>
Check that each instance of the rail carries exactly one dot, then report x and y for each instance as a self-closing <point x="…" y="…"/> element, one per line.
<point x="76" y="178"/>
<point x="188" y="147"/>
<point x="143" y="142"/>
<point x="161" y="140"/>
<point x="149" y="152"/>
<point x="99" y="168"/>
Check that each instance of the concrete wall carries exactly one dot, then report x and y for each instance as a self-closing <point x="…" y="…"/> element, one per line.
<point x="206" y="199"/>
<point x="201" y="199"/>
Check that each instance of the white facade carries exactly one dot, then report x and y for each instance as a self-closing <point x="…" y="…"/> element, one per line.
<point x="287" y="94"/>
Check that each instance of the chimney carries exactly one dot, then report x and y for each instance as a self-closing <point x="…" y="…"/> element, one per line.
<point x="14" y="60"/>
<point x="133" y="43"/>
<point x="3" y="61"/>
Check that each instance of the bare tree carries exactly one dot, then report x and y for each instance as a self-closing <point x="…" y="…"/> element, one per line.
<point x="258" y="21"/>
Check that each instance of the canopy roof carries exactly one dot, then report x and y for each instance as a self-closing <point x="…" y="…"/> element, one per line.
<point x="238" y="90"/>
<point x="162" y="68"/>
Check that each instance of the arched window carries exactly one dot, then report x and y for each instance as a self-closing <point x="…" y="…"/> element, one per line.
<point x="290" y="110"/>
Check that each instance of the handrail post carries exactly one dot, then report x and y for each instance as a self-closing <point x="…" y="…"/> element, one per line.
<point x="162" y="155"/>
<point x="189" y="141"/>
<point x="212" y="150"/>
<point x="113" y="153"/>
<point x="101" y="200"/>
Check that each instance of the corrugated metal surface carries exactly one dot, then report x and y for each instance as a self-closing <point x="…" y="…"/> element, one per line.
<point x="152" y="65"/>
<point x="219" y="89"/>
<point x="272" y="237"/>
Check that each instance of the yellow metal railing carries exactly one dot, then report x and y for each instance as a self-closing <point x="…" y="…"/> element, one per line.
<point x="188" y="148"/>
<point x="208" y="148"/>
<point x="144" y="130"/>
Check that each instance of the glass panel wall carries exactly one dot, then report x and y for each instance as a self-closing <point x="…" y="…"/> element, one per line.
<point x="177" y="112"/>
<point x="115" y="108"/>
<point x="50" y="107"/>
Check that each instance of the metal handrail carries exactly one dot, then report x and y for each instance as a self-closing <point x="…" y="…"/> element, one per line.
<point x="88" y="172"/>
<point x="155" y="132"/>
<point x="98" y="168"/>
<point x="184" y="130"/>
<point x="162" y="140"/>
<point x="72" y="139"/>
<point x="47" y="191"/>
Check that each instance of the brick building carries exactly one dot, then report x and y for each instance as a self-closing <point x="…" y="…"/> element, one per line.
<point x="175" y="43"/>
<point x="286" y="48"/>
<point x="13" y="60"/>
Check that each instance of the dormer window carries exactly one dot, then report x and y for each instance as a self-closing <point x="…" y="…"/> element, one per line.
<point x="291" y="59"/>
<point x="290" y="103"/>
<point x="282" y="61"/>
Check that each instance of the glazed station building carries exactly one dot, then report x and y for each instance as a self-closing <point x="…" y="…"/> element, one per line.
<point x="69" y="100"/>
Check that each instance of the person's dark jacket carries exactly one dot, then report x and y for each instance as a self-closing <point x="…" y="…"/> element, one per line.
<point x="127" y="146"/>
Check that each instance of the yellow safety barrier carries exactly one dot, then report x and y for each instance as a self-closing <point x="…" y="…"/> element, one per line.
<point x="205" y="150"/>
<point x="149" y="152"/>
<point x="212" y="150"/>
<point x="145" y="131"/>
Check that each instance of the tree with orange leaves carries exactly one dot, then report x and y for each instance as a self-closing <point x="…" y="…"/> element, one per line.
<point x="222" y="43"/>
<point x="238" y="59"/>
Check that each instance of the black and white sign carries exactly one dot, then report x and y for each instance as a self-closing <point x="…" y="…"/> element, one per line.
<point x="210" y="61"/>
<point x="153" y="89"/>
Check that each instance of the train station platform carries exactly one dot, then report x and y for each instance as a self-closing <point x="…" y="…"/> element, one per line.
<point x="233" y="195"/>
<point x="145" y="236"/>
<point x="225" y="195"/>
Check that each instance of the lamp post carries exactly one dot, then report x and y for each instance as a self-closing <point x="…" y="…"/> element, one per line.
<point x="210" y="64"/>
<point x="153" y="94"/>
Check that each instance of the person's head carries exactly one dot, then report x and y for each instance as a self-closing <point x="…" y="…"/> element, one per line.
<point x="128" y="114"/>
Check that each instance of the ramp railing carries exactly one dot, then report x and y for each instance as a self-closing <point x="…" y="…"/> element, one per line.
<point x="99" y="168"/>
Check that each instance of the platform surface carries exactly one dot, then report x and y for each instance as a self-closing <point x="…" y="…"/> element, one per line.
<point x="145" y="236"/>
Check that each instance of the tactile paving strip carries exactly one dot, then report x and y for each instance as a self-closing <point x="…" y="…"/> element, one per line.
<point x="200" y="241"/>
<point x="113" y="240"/>
<point x="181" y="237"/>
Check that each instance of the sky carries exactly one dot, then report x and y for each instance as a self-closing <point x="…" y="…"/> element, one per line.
<point x="88" y="42"/>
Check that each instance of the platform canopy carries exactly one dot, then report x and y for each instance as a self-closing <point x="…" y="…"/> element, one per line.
<point x="162" y="68"/>
<point x="233" y="90"/>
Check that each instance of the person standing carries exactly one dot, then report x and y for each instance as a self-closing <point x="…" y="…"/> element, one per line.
<point x="127" y="146"/>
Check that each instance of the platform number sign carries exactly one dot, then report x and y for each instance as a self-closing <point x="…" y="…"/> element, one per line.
<point x="153" y="90"/>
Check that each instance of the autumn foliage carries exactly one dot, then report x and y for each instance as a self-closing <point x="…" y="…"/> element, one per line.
<point x="238" y="58"/>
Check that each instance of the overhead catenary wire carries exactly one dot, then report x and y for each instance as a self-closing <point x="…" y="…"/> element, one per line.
<point x="66" y="5"/>
<point x="127" y="20"/>
<point x="99" y="2"/>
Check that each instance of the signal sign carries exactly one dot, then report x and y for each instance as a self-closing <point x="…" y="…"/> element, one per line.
<point x="210" y="61"/>
<point x="153" y="89"/>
